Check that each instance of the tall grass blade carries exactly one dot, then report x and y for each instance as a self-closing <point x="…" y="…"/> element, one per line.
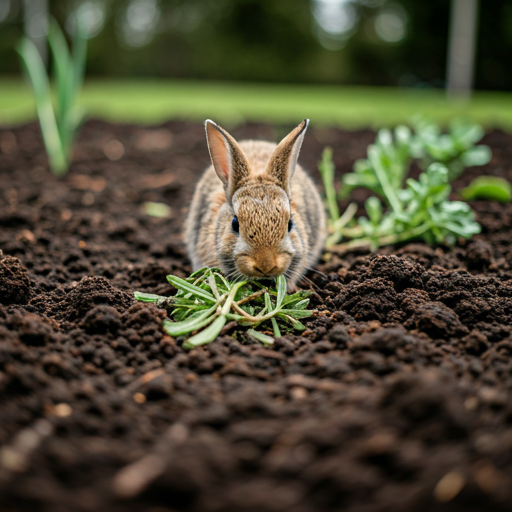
<point x="63" y="73"/>
<point x="36" y="71"/>
<point x="79" y="56"/>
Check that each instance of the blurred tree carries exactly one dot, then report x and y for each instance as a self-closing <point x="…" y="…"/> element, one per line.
<point x="369" y="42"/>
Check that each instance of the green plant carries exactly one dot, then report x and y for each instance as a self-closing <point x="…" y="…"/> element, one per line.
<point x="419" y="211"/>
<point x="387" y="155"/>
<point x="392" y="153"/>
<point x="455" y="149"/>
<point x="59" y="125"/>
<point x="336" y="223"/>
<point x="488" y="187"/>
<point x="205" y="302"/>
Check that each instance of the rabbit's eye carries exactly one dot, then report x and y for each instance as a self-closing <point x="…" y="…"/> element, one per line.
<point x="234" y="224"/>
<point x="290" y="225"/>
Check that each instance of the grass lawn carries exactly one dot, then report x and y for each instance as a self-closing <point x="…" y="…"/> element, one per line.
<point x="153" y="101"/>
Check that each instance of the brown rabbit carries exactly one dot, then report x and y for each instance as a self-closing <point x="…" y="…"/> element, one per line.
<point x="255" y="212"/>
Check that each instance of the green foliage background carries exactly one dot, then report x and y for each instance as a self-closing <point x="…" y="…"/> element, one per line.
<point x="276" y="41"/>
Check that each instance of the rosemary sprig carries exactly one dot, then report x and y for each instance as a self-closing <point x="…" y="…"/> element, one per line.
<point x="205" y="302"/>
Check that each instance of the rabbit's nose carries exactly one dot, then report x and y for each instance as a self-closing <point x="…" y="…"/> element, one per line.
<point x="265" y="263"/>
<point x="265" y="272"/>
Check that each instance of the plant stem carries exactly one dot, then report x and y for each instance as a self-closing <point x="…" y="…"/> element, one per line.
<point x="338" y="225"/>
<point x="388" y="190"/>
<point x="383" y="240"/>
<point x="231" y="297"/>
<point x="326" y="169"/>
<point x="254" y="295"/>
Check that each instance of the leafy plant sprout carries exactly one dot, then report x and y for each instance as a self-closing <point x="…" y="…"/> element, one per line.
<point x="418" y="210"/>
<point x="59" y="124"/>
<point x="205" y="302"/>
<point x="456" y="149"/>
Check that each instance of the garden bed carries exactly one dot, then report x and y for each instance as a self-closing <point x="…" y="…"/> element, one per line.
<point x="396" y="397"/>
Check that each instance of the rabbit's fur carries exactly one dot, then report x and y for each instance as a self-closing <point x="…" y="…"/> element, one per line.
<point x="263" y="188"/>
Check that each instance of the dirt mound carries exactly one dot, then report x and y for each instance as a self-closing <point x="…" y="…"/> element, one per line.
<point x="14" y="281"/>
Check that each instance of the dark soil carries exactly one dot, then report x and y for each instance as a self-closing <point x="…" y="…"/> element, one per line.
<point x="396" y="398"/>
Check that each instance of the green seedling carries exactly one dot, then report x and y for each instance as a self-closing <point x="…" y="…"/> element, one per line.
<point x="405" y="209"/>
<point x="490" y="188"/>
<point x="456" y="149"/>
<point x="388" y="160"/>
<point x="206" y="301"/>
<point x="419" y="211"/>
<point x="386" y="165"/>
<point x="336" y="223"/>
<point x="60" y="123"/>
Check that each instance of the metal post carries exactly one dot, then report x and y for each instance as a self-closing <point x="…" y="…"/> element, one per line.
<point x="461" y="48"/>
<point x="36" y="24"/>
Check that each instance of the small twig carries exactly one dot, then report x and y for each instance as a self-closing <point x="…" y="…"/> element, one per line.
<point x="254" y="295"/>
<point x="366" y="243"/>
<point x="240" y="311"/>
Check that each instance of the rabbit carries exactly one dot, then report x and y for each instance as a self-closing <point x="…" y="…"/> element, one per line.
<point x="255" y="212"/>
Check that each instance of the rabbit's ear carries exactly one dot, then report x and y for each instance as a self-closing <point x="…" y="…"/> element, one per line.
<point x="228" y="159"/>
<point x="284" y="159"/>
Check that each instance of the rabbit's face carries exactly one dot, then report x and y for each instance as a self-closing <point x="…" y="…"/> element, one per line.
<point x="262" y="236"/>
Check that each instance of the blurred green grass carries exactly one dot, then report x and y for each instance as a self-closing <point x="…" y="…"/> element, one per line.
<point x="154" y="101"/>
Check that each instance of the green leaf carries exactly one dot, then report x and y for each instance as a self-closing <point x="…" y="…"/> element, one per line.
<point x="376" y="159"/>
<point x="374" y="210"/>
<point x="296" y="299"/>
<point x="302" y="304"/>
<point x="384" y="137"/>
<point x="262" y="338"/>
<point x="277" y="332"/>
<point x="148" y="297"/>
<point x="298" y="326"/>
<point x="490" y="188"/>
<point x="223" y="280"/>
<point x="268" y="302"/>
<point x="200" y="272"/>
<point x="63" y="73"/>
<point x="465" y="134"/>
<point x="79" y="54"/>
<point x="207" y="335"/>
<point x="36" y="71"/>
<point x="181" y="284"/>
<point x="189" y="325"/>
<point x="281" y="290"/>
<point x="296" y="313"/>
<point x="59" y="127"/>
<point x="403" y="135"/>
<point x="478" y="155"/>
<point x="326" y="169"/>
<point x="437" y="174"/>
